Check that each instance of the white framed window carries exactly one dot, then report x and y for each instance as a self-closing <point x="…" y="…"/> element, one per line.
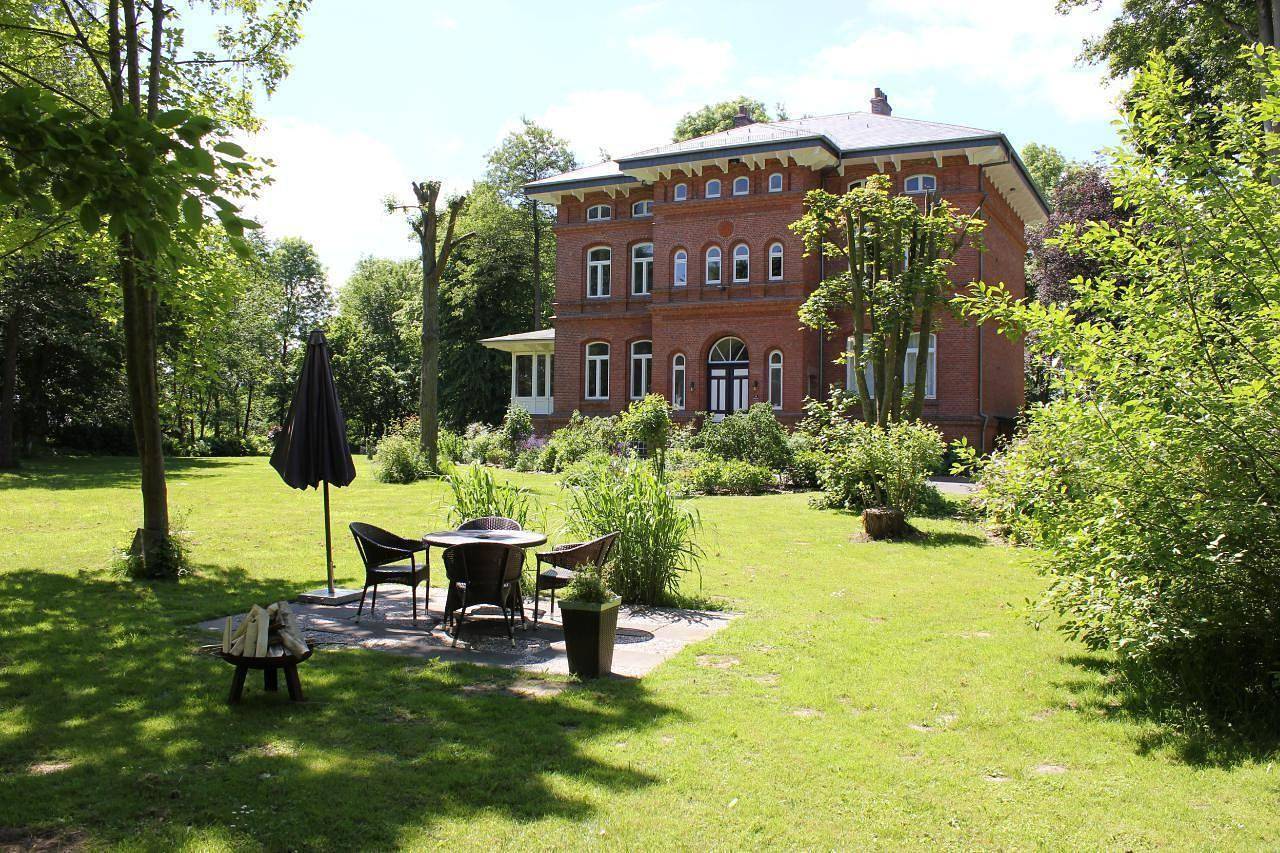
<point x="642" y="269"/>
<point x="597" y="383"/>
<point x="856" y="185"/>
<point x="741" y="185"/>
<point x="775" y="262"/>
<point x="741" y="262"/>
<point x="775" y="182"/>
<point x="680" y="192"/>
<point x="712" y="189"/>
<point x="680" y="269"/>
<point x="677" y="382"/>
<point x="775" y="379"/>
<point x="642" y="208"/>
<point x="713" y="265"/>
<point x="641" y="369"/>
<point x="598" y="212"/>
<point x="920" y="184"/>
<point x="599" y="264"/>
<point x="908" y="371"/>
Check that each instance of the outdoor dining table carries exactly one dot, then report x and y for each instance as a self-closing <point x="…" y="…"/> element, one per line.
<point x="518" y="538"/>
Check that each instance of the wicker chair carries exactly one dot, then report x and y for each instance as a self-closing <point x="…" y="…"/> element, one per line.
<point x="564" y="561"/>
<point x="483" y="573"/>
<point x="491" y="522"/>
<point x="383" y="554"/>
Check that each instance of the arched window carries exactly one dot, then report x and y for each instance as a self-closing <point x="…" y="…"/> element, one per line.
<point x="597" y="212"/>
<point x="680" y="269"/>
<point x="642" y="208"/>
<point x="775" y="262"/>
<point x="741" y="185"/>
<point x="741" y="262"/>
<point x="712" y="188"/>
<point x="713" y="265"/>
<point x="642" y="269"/>
<point x="775" y="379"/>
<point x="908" y="369"/>
<point x="677" y="382"/>
<point x="598" y="265"/>
<point x="775" y="182"/>
<point x="597" y="384"/>
<point x="920" y="184"/>
<point x="680" y="192"/>
<point x="641" y="368"/>
<point x="856" y="185"/>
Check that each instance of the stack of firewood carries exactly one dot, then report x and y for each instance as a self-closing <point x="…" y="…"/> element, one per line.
<point x="269" y="631"/>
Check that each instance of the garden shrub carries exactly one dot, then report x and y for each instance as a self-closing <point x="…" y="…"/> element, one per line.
<point x="802" y="471"/>
<point x="712" y="476"/>
<point x="647" y="422"/>
<point x="477" y="493"/>
<point x="1152" y="483"/>
<point x="451" y="445"/>
<point x="581" y="437"/>
<point x="586" y="470"/>
<point x="517" y="427"/>
<point x="753" y="436"/>
<point x="657" y="542"/>
<point x="398" y="460"/>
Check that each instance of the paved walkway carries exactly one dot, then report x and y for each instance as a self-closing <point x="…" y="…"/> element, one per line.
<point x="954" y="485"/>
<point x="646" y="636"/>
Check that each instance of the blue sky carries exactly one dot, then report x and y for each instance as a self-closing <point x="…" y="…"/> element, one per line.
<point x="426" y="89"/>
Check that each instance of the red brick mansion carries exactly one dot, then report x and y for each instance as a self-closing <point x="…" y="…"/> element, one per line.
<point x="676" y="272"/>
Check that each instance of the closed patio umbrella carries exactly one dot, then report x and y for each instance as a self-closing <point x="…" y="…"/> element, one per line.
<point x="312" y="449"/>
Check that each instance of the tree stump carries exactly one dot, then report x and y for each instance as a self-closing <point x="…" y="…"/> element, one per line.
<point x="884" y="523"/>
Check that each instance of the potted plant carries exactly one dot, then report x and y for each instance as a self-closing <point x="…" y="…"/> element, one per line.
<point x="589" y="614"/>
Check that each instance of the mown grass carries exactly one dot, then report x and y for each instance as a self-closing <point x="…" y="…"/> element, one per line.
<point x="872" y="695"/>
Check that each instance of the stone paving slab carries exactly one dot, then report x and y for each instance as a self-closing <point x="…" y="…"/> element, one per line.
<point x="646" y="635"/>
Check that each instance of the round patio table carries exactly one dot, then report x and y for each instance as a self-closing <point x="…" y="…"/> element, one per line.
<point x="518" y="538"/>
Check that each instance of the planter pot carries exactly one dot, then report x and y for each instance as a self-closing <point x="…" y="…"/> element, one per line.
<point x="883" y="523"/>
<point x="588" y="636"/>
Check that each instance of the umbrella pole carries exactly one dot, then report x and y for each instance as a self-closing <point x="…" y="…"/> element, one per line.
<point x="328" y="540"/>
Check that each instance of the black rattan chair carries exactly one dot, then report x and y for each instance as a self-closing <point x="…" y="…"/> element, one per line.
<point x="383" y="554"/>
<point x="564" y="561"/>
<point x="491" y="522"/>
<point x="483" y="573"/>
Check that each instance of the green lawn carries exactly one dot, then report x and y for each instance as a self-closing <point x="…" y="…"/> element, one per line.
<point x="882" y="695"/>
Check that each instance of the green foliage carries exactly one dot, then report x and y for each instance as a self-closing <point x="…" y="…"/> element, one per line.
<point x="1153" y="484"/>
<point x="711" y="475"/>
<point x="714" y="118"/>
<point x="581" y="437"/>
<point x="588" y="586"/>
<point x="170" y="560"/>
<point x="864" y="466"/>
<point x="806" y="459"/>
<point x="517" y="427"/>
<point x="657" y="541"/>
<point x="648" y="423"/>
<point x="399" y="459"/>
<point x="586" y="470"/>
<point x="1046" y="165"/>
<point x="896" y="255"/>
<point x="477" y="493"/>
<point x="753" y="436"/>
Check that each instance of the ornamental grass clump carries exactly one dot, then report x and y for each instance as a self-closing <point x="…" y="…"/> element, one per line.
<point x="477" y="494"/>
<point x="657" y="532"/>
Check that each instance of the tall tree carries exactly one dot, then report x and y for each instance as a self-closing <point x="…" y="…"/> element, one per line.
<point x="424" y="219"/>
<point x="1046" y="165"/>
<point x="295" y="270"/>
<point x="137" y="150"/>
<point x="714" y="118"/>
<point x="529" y="154"/>
<point x="895" y="252"/>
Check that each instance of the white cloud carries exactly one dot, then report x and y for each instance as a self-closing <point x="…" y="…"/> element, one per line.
<point x="328" y="189"/>
<point x="618" y="121"/>
<point x="693" y="63"/>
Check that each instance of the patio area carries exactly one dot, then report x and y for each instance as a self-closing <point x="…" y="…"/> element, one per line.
<point x="646" y="636"/>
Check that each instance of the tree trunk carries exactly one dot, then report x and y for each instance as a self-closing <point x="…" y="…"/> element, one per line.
<point x="9" y="389"/>
<point x="248" y="410"/>
<point x="428" y="405"/>
<point x="151" y="540"/>
<point x="882" y="523"/>
<point x="537" y="266"/>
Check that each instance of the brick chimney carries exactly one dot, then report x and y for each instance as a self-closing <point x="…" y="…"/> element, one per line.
<point x="743" y="118"/>
<point x="880" y="104"/>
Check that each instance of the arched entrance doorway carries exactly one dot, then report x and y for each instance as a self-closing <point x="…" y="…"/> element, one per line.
<point x="727" y="368"/>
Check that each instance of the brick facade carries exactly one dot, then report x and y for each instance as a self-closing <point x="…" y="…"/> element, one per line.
<point x="761" y="312"/>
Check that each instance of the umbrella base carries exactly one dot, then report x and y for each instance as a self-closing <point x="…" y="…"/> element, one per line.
<point x="324" y="596"/>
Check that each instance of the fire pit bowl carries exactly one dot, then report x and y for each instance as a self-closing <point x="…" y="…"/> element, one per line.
<point x="270" y="666"/>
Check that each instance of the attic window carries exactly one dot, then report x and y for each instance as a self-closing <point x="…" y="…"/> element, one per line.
<point x="597" y="212"/>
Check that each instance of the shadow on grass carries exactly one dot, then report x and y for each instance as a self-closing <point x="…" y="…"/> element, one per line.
<point x="1198" y="736"/>
<point x="109" y="722"/>
<point x="101" y="472"/>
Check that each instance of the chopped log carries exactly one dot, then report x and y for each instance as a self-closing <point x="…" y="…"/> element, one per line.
<point x="226" y="636"/>
<point x="264" y="628"/>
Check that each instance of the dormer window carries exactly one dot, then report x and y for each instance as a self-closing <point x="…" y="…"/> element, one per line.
<point x="917" y="184"/>
<point x="642" y="208"/>
<point x="713" y="188"/>
<point x="741" y="186"/>
<point x="775" y="182"/>
<point x="679" y="192"/>
<point x="599" y="212"/>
